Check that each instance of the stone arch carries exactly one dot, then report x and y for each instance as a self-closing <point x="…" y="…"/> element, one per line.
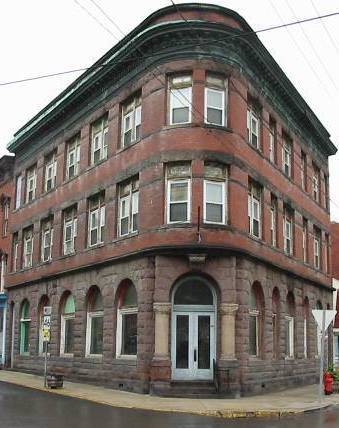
<point x="187" y="281"/>
<point x="276" y="320"/>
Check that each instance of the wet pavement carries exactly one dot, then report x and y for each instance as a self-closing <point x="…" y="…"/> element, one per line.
<point x="22" y="407"/>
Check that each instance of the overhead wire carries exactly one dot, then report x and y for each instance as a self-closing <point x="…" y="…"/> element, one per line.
<point x="321" y="62"/>
<point x="243" y="34"/>
<point x="329" y="35"/>
<point x="329" y="94"/>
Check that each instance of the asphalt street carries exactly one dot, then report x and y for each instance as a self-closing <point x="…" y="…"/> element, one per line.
<point x="27" y="408"/>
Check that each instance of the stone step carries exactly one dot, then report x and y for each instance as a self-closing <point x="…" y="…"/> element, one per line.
<point x="193" y="389"/>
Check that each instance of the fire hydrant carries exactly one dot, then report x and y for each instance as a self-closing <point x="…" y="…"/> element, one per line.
<point x="328" y="383"/>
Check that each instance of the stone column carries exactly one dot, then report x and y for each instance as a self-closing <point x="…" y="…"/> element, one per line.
<point x="228" y="312"/>
<point x="161" y="363"/>
<point x="162" y="313"/>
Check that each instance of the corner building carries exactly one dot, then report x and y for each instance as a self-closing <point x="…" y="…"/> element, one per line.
<point x="172" y="208"/>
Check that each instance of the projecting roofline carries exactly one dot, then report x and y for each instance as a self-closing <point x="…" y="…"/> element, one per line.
<point x="129" y="44"/>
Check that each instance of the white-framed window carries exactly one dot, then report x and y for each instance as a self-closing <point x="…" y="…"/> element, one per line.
<point x="305" y="337"/>
<point x="5" y="208"/>
<point x="50" y="172"/>
<point x="180" y="99"/>
<point x="131" y="121"/>
<point x="127" y="318"/>
<point x="15" y="252"/>
<point x="273" y="215"/>
<point x="303" y="171"/>
<point x="129" y="207"/>
<point x="255" y="318"/>
<point x="215" y="193"/>
<point x="30" y="184"/>
<point x="254" y="209"/>
<point x="46" y="241"/>
<point x="289" y="336"/>
<point x="25" y="321"/>
<point x="178" y="193"/>
<point x="317" y="248"/>
<point x="99" y="140"/>
<point x="28" y="248"/>
<point x="305" y="240"/>
<point x="253" y="127"/>
<point x="288" y="233"/>
<point x="327" y="253"/>
<point x="287" y="157"/>
<point x="94" y="328"/>
<point x="96" y="220"/>
<point x="18" y="190"/>
<point x="254" y="332"/>
<point x="273" y="137"/>
<point x="215" y="100"/>
<point x="67" y="327"/>
<point x="326" y="185"/>
<point x="73" y="157"/>
<point x="70" y="231"/>
<point x="316" y="183"/>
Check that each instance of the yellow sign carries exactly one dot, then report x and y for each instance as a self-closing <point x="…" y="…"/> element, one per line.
<point x="46" y="334"/>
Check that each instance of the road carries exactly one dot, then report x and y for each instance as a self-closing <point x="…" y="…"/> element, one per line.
<point x="27" y="408"/>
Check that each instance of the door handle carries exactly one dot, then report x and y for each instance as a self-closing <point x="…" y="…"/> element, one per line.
<point x="195" y="355"/>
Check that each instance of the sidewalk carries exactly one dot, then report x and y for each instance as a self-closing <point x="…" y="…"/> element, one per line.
<point x="277" y="404"/>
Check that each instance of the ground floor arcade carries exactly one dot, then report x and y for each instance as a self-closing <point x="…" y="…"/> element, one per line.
<point x="150" y="323"/>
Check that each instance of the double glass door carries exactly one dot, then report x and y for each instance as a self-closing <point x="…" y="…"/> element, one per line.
<point x="193" y="345"/>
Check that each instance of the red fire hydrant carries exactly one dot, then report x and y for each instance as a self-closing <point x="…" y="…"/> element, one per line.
<point x="328" y="383"/>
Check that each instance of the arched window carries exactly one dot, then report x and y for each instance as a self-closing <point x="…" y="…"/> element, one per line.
<point x="127" y="321"/>
<point x="256" y="312"/>
<point x="95" y="315"/>
<point x="25" y="321"/>
<point x="289" y="325"/>
<point x="67" y="326"/>
<point x="44" y="301"/>
<point x="306" y="327"/>
<point x="276" y="322"/>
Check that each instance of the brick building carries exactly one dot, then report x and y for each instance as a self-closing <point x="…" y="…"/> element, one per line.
<point x="6" y="194"/>
<point x="335" y="275"/>
<point x="172" y="208"/>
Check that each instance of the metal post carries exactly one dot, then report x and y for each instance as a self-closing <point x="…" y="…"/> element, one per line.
<point x="321" y="380"/>
<point x="45" y="373"/>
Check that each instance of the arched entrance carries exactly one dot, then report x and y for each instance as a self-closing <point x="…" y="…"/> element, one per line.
<point x="193" y="329"/>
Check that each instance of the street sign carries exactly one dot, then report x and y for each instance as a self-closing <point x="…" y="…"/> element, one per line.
<point x="318" y="316"/>
<point x="48" y="310"/>
<point x="46" y="334"/>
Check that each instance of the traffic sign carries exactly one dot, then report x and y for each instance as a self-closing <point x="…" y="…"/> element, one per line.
<point x="318" y="316"/>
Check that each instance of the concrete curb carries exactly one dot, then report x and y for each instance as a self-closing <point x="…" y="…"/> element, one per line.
<point x="162" y="407"/>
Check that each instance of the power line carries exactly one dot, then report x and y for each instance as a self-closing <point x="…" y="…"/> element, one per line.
<point x="333" y="42"/>
<point x="95" y="19"/>
<point x="313" y="48"/>
<point x="107" y="16"/>
<point x="231" y="36"/>
<point x="302" y="53"/>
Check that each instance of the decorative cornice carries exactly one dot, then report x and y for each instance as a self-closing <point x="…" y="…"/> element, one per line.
<point x="228" y="308"/>
<point x="170" y="40"/>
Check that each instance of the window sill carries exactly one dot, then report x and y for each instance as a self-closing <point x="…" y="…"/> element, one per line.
<point x="93" y="247"/>
<point x="289" y="358"/>
<point x="127" y="357"/>
<point x="47" y="192"/>
<point x="65" y="256"/>
<point x="219" y="127"/>
<point x="133" y="143"/>
<point x="94" y="165"/>
<point x="130" y="235"/>
<point x="97" y="357"/>
<point x="65" y="356"/>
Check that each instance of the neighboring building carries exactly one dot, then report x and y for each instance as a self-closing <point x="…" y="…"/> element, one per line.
<point x="172" y="208"/>
<point x="6" y="201"/>
<point x="335" y="274"/>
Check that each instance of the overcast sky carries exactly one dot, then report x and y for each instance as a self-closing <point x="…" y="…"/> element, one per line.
<point x="45" y="36"/>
